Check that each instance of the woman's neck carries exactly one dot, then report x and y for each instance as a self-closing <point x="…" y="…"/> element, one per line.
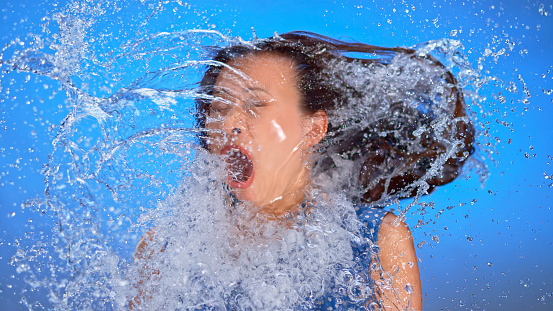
<point x="290" y="201"/>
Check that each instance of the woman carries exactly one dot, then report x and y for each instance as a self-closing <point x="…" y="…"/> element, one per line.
<point x="286" y="113"/>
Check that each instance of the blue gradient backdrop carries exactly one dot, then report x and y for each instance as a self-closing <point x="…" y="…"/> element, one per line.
<point x="494" y="253"/>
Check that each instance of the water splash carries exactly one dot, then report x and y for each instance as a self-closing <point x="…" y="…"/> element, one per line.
<point x="126" y="159"/>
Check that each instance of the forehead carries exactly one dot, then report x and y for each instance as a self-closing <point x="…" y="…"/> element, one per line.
<point x="264" y="70"/>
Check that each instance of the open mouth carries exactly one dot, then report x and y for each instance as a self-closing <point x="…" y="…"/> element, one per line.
<point x="239" y="166"/>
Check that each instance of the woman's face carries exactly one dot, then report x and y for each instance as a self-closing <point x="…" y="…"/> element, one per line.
<point x="257" y="124"/>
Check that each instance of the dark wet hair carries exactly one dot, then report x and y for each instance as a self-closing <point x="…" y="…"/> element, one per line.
<point x="389" y="167"/>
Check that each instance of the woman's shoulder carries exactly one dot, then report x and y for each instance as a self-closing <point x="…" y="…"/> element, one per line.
<point x="397" y="251"/>
<point x="380" y="224"/>
<point x="394" y="227"/>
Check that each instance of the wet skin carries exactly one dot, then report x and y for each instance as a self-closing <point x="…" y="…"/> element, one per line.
<point x="257" y="110"/>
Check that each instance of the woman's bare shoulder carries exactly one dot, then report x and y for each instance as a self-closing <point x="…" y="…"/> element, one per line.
<point x="392" y="227"/>
<point x="399" y="265"/>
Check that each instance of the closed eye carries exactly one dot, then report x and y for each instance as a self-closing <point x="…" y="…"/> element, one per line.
<point x="255" y="103"/>
<point x="219" y="105"/>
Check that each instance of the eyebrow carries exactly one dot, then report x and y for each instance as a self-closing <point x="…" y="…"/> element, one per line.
<point x="224" y="91"/>
<point x="255" y="88"/>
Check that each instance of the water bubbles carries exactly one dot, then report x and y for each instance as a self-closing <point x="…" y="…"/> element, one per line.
<point x="525" y="282"/>
<point x="542" y="10"/>
<point x="469" y="238"/>
<point x="544" y="297"/>
<point x="138" y="147"/>
<point x="490" y="264"/>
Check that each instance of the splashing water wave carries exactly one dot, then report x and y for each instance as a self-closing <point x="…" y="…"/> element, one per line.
<point x="127" y="161"/>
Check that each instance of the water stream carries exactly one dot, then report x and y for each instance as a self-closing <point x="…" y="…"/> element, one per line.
<point x="125" y="158"/>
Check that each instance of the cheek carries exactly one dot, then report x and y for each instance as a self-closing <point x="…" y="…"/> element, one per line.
<point x="277" y="133"/>
<point x="277" y="140"/>
<point x="288" y="130"/>
<point x="214" y="135"/>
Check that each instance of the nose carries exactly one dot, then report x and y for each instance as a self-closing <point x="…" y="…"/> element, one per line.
<point x="234" y="122"/>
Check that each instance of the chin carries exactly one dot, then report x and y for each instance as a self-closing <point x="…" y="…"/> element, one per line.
<point x="244" y="194"/>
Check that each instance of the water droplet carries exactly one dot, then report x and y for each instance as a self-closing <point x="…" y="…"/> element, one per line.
<point x="490" y="264"/>
<point x="436" y="239"/>
<point x="469" y="238"/>
<point x="542" y="10"/>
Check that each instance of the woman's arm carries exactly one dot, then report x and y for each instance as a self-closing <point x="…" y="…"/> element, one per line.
<point x="142" y="255"/>
<point x="398" y="280"/>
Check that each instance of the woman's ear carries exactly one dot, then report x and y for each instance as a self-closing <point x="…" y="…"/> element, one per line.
<point x="315" y="127"/>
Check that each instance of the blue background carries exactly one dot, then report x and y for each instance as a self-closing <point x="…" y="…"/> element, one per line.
<point x="495" y="244"/>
